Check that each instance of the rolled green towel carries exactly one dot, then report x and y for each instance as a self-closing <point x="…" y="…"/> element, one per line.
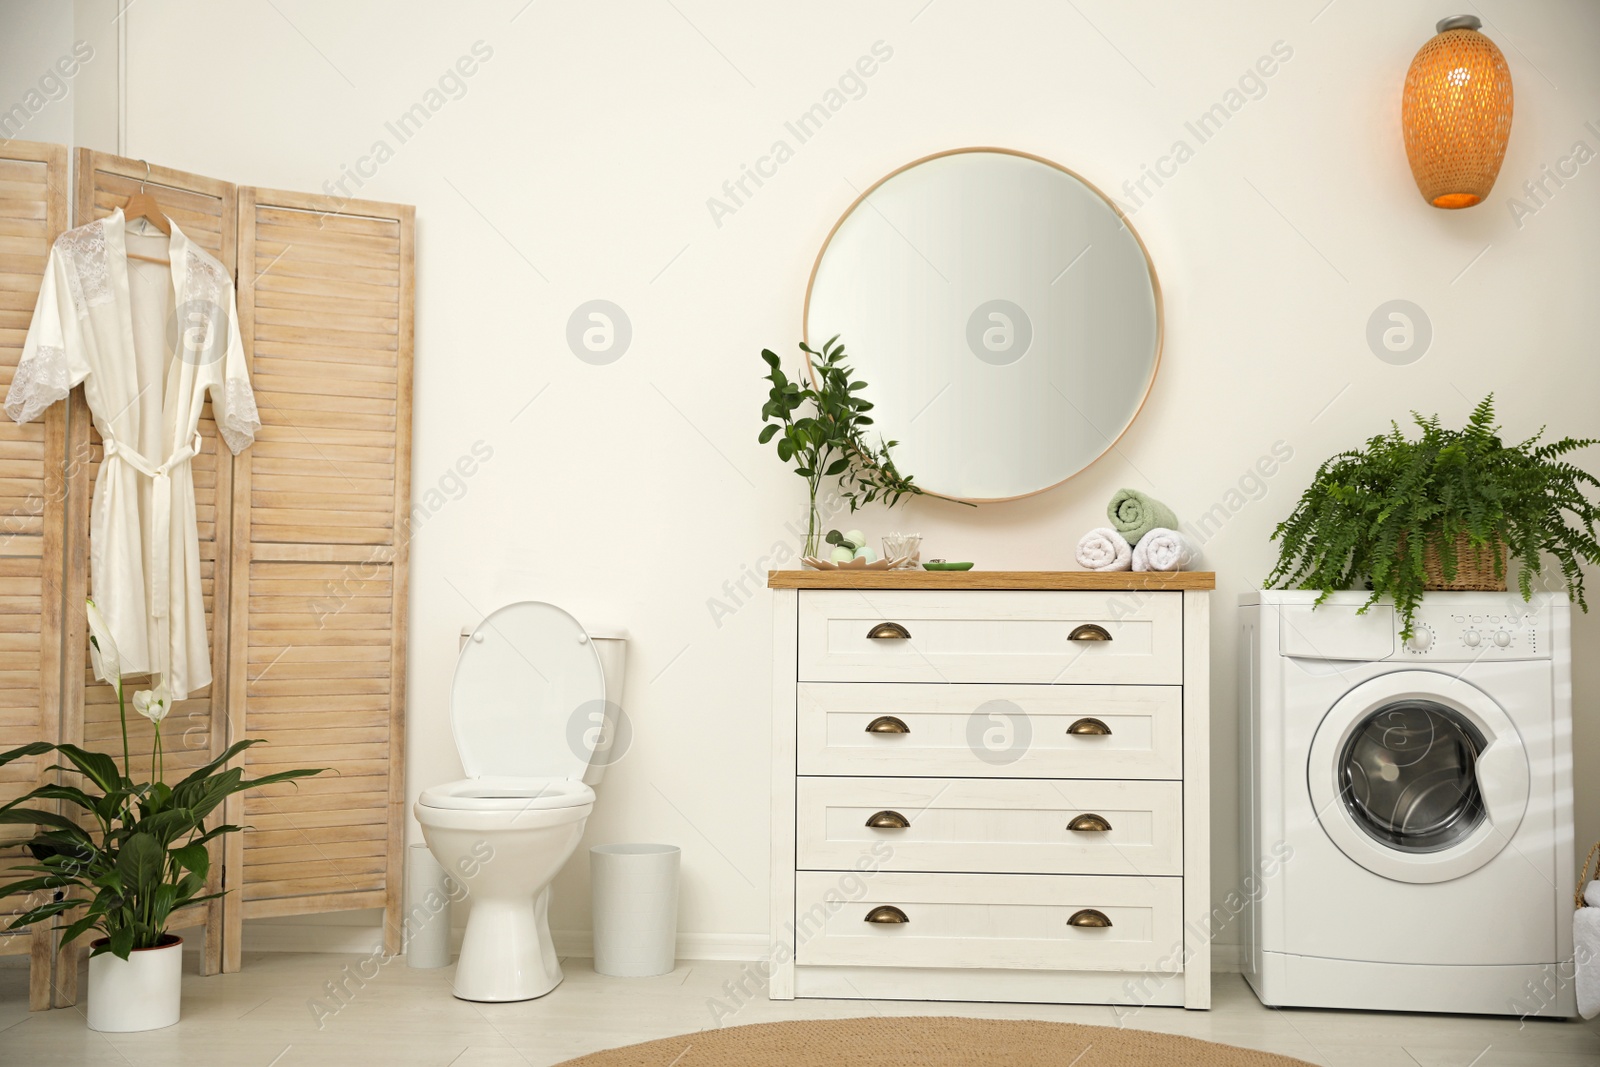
<point x="1135" y="514"/>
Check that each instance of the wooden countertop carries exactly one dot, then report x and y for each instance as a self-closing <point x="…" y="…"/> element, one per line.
<point x="975" y="579"/>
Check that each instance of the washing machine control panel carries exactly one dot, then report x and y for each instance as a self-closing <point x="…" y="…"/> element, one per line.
<point x="1511" y="630"/>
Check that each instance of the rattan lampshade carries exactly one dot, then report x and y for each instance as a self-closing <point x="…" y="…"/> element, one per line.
<point x="1456" y="114"/>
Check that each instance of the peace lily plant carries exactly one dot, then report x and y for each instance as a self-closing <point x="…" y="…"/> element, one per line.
<point x="136" y="851"/>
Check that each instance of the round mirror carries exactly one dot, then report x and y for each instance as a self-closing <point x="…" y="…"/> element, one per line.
<point x="1004" y="315"/>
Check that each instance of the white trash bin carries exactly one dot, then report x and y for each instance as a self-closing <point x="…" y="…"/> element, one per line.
<point x="635" y="908"/>
<point x="427" y="921"/>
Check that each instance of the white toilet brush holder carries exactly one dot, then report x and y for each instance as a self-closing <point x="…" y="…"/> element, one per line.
<point x="427" y="921"/>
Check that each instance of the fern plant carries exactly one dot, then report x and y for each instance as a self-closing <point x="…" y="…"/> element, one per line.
<point x="1371" y="514"/>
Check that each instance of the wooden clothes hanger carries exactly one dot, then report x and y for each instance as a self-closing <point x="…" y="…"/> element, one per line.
<point x="141" y="205"/>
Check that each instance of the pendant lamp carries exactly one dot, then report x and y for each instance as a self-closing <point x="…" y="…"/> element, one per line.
<point x="1456" y="114"/>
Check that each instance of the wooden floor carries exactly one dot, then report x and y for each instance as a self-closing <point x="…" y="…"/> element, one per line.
<point x="264" y="1016"/>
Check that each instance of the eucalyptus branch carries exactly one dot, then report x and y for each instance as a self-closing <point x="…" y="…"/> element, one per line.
<point x="821" y="426"/>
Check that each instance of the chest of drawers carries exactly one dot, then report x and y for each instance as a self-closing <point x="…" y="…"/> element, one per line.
<point x="991" y="786"/>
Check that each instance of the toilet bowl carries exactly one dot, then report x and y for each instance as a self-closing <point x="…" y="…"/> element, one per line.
<point x="534" y="707"/>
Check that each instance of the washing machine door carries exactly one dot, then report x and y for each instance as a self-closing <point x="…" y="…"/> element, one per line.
<point x="1418" y="776"/>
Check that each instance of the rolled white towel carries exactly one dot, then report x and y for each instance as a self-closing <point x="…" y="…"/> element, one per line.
<point x="1591" y="894"/>
<point x="1103" y="549"/>
<point x="1162" y="550"/>
<point x="1586" y="953"/>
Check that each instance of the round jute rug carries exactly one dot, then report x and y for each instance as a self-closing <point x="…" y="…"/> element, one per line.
<point x="929" y="1042"/>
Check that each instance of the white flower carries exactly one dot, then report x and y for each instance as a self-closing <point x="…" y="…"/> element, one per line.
<point x="153" y="704"/>
<point x="102" y="649"/>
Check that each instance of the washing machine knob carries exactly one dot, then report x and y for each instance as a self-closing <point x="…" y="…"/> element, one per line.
<point x="1472" y="639"/>
<point x="1420" y="641"/>
<point x="1503" y="639"/>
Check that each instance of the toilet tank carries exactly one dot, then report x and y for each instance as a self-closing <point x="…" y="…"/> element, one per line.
<point x="611" y="642"/>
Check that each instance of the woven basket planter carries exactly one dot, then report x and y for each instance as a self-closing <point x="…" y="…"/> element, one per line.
<point x="1475" y="566"/>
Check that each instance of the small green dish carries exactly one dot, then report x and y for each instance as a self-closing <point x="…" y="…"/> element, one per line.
<point x="941" y="565"/>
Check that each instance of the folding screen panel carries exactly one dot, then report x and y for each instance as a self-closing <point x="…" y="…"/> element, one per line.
<point x="33" y="210"/>
<point x="318" y="629"/>
<point x="206" y="210"/>
<point x="302" y="545"/>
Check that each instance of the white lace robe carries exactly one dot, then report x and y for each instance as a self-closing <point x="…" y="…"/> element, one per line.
<point x="147" y="341"/>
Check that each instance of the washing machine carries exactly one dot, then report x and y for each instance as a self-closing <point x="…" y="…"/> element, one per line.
<point x="1406" y="804"/>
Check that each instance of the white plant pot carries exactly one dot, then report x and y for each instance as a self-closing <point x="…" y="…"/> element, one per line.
<point x="141" y="992"/>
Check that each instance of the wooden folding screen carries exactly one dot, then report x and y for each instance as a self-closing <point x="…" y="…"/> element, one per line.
<point x="318" y="631"/>
<point x="302" y="546"/>
<point x="207" y="211"/>
<point x="33" y="210"/>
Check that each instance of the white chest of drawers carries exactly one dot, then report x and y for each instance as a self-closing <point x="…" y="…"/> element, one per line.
<point x="991" y="786"/>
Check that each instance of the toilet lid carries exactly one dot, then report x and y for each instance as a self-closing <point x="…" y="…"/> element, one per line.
<point x="528" y="697"/>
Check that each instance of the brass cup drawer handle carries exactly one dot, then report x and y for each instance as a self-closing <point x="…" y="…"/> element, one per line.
<point x="891" y="631"/>
<point x="1089" y="631"/>
<point x="1089" y="727"/>
<point x="888" y="820"/>
<point x="888" y="914"/>
<point x="1090" y="919"/>
<point x="887" y="724"/>
<point x="1089" y="823"/>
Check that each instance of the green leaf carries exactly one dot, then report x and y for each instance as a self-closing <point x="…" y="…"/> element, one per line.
<point x="205" y="771"/>
<point x="280" y="776"/>
<point x="35" y="748"/>
<point x="77" y="928"/>
<point x="39" y="817"/>
<point x="43" y="912"/>
<point x="56" y="850"/>
<point x="203" y="795"/>
<point x="189" y="885"/>
<point x="71" y="794"/>
<point x="97" y="766"/>
<point x="215" y="831"/>
<point x="193" y="857"/>
<point x="167" y="826"/>
<point x="120" y="943"/>
<point x="162" y="902"/>
<point x="767" y="433"/>
<point x="45" y="883"/>
<point x="114" y="805"/>
<point x="141" y="863"/>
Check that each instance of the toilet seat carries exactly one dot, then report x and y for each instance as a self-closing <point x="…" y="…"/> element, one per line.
<point x="508" y="794"/>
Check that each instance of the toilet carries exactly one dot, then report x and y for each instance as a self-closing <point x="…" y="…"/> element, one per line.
<point x="534" y="706"/>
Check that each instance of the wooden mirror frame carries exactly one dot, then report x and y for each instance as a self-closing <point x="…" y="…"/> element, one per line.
<point x="1155" y="286"/>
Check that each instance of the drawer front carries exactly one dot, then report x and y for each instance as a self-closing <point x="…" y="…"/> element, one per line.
<point x="1010" y="921"/>
<point x="984" y="636"/>
<point x="991" y="731"/>
<point x="1023" y="826"/>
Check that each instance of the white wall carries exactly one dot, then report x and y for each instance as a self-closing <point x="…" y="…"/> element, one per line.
<point x="578" y="165"/>
<point x="35" y="100"/>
